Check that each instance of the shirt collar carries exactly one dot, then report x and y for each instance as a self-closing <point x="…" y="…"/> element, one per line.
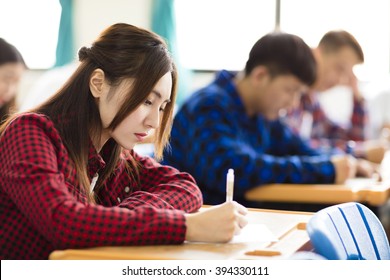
<point x="96" y="160"/>
<point x="225" y="79"/>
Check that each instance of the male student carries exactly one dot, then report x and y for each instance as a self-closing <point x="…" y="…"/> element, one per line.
<point x="336" y="55"/>
<point x="234" y="123"/>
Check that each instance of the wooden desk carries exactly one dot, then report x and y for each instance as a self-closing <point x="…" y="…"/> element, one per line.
<point x="374" y="195"/>
<point x="288" y="227"/>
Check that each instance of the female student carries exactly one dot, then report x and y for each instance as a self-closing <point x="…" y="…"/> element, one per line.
<point x="69" y="177"/>
<point x="12" y="67"/>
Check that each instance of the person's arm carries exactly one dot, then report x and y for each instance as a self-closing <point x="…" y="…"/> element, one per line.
<point x="356" y="132"/>
<point x="163" y="186"/>
<point x="31" y="175"/>
<point x="326" y="132"/>
<point x="358" y="120"/>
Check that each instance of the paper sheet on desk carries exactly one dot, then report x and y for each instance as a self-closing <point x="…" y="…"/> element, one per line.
<point x="258" y="233"/>
<point x="361" y="183"/>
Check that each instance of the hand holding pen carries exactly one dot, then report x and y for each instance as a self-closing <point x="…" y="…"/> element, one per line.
<point x="218" y="223"/>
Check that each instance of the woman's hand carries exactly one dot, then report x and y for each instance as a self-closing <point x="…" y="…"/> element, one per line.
<point x="216" y="224"/>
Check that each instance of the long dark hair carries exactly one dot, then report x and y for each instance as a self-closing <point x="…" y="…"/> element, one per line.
<point x="122" y="51"/>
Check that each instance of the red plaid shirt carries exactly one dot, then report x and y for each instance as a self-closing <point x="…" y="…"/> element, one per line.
<point x="43" y="207"/>
<point x="324" y="132"/>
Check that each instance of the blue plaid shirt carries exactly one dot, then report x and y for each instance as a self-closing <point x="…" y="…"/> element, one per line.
<point x="212" y="133"/>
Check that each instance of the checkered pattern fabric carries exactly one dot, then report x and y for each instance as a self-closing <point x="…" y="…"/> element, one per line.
<point x="325" y="133"/>
<point x="43" y="207"/>
<point x="212" y="133"/>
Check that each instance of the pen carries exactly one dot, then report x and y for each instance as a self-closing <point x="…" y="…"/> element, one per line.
<point x="229" y="185"/>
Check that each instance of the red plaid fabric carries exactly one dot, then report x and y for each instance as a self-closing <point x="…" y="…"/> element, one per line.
<point x="43" y="207"/>
<point x="325" y="132"/>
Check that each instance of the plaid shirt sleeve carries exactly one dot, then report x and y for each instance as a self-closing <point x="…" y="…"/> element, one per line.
<point x="327" y="133"/>
<point x="163" y="187"/>
<point x="358" y="120"/>
<point x="43" y="206"/>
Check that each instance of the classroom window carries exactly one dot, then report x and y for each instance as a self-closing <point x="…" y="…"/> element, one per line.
<point x="368" y="21"/>
<point x="219" y="33"/>
<point x="32" y="27"/>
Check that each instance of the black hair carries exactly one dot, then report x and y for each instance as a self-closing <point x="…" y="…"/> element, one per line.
<point x="282" y="54"/>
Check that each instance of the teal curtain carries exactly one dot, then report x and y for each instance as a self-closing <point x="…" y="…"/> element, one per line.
<point x="65" y="46"/>
<point x="164" y="24"/>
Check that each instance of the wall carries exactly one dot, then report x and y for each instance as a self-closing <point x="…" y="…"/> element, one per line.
<point x="91" y="17"/>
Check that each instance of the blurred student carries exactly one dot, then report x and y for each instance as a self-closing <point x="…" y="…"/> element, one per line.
<point x="336" y="55"/>
<point x="69" y="177"/>
<point x="234" y="123"/>
<point x="12" y="67"/>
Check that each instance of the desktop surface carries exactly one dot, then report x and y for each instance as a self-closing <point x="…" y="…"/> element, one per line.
<point x="364" y="191"/>
<point x="288" y="227"/>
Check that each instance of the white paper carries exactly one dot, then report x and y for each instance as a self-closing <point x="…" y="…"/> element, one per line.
<point x="258" y="233"/>
<point x="361" y="183"/>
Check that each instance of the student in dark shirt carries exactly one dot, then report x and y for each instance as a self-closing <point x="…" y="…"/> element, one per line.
<point x="336" y="54"/>
<point x="234" y="123"/>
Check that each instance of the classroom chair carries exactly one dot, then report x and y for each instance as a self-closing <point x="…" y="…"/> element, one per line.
<point x="348" y="231"/>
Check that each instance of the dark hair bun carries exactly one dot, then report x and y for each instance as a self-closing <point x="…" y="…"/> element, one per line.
<point x="83" y="53"/>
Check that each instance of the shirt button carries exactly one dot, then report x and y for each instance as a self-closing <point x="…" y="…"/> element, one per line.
<point x="119" y="199"/>
<point x="127" y="189"/>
